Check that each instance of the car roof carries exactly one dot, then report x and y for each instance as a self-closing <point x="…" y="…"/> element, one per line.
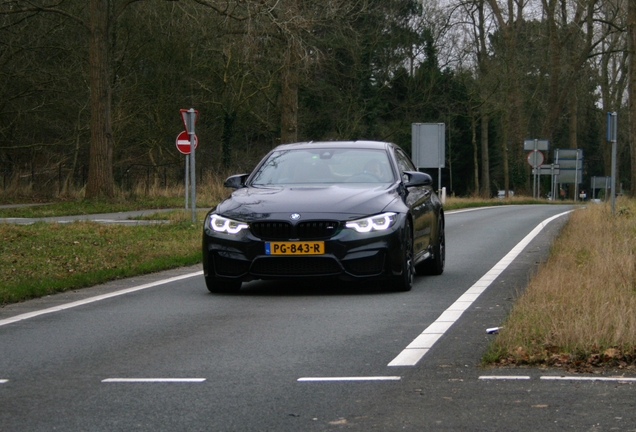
<point x="381" y="145"/>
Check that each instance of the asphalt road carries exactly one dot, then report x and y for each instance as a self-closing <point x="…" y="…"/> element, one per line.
<point x="169" y="356"/>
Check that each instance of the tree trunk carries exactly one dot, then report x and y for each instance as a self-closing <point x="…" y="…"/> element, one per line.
<point x="573" y="129"/>
<point x="485" y="158"/>
<point x="100" y="171"/>
<point x="485" y="74"/>
<point x="226" y="138"/>
<point x="289" y="84"/>
<point x="289" y="96"/>
<point x="473" y="129"/>
<point x="631" y="35"/>
<point x="504" y="157"/>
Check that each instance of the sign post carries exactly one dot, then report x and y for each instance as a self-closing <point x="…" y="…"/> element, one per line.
<point x="601" y="183"/>
<point x="535" y="159"/>
<point x="187" y="174"/>
<point x="612" y="127"/>
<point x="552" y="171"/>
<point x="189" y="120"/>
<point x="428" y="147"/>
<point x="571" y="167"/>
<point x="183" y="145"/>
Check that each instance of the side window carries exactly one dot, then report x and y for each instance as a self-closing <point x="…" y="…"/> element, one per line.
<point x="404" y="163"/>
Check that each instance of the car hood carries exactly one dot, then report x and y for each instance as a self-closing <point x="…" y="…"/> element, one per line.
<point x="315" y="201"/>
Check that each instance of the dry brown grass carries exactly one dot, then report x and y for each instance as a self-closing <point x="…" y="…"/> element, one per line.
<point x="580" y="308"/>
<point x="209" y="190"/>
<point x="454" y="202"/>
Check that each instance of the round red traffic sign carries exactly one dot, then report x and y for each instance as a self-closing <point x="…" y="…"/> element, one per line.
<point x="535" y="159"/>
<point x="183" y="142"/>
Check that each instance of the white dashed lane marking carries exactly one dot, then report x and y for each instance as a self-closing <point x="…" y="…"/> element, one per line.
<point x="349" y="379"/>
<point x="153" y="380"/>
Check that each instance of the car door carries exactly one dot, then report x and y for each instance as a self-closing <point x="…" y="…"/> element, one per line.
<point x="418" y="199"/>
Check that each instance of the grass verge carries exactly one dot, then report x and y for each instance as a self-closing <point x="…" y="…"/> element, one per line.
<point x="455" y="203"/>
<point x="579" y="310"/>
<point x="45" y="258"/>
<point x="84" y="207"/>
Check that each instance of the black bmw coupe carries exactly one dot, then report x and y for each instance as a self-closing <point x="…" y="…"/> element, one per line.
<point x="349" y="210"/>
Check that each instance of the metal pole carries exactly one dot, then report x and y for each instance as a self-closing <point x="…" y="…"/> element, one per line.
<point x="552" y="183"/>
<point x="576" y="177"/>
<point x="187" y="172"/>
<point x="613" y="181"/>
<point x="193" y="180"/>
<point x="612" y="132"/>
<point x="557" y="185"/>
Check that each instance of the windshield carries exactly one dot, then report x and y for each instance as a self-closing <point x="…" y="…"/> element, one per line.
<point x="324" y="165"/>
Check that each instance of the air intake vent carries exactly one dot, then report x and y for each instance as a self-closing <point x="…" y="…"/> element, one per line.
<point x="316" y="230"/>
<point x="295" y="266"/>
<point x="272" y="230"/>
<point x="306" y="230"/>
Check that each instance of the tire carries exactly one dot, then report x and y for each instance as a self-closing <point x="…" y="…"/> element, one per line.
<point x="404" y="281"/>
<point x="434" y="266"/>
<point x="217" y="286"/>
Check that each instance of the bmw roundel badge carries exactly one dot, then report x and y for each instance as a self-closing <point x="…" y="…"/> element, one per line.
<point x="294" y="216"/>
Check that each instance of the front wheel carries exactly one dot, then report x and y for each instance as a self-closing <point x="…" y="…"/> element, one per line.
<point x="217" y="286"/>
<point x="404" y="281"/>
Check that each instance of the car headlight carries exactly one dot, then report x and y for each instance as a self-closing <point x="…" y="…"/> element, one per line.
<point x="224" y="225"/>
<point x="373" y="223"/>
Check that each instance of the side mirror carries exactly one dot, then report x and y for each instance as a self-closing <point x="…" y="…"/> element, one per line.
<point x="236" y="181"/>
<point x="416" y="178"/>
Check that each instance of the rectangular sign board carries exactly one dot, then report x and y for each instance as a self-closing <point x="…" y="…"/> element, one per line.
<point x="428" y="145"/>
<point x="601" y="182"/>
<point x="571" y="163"/>
<point x="570" y="176"/>
<point x="540" y="144"/>
<point x="612" y="120"/>
<point x="546" y="170"/>
<point x="561" y="154"/>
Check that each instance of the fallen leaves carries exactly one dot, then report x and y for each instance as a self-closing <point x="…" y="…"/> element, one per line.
<point x="594" y="362"/>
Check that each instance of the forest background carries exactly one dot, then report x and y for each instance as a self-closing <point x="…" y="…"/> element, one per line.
<point x="90" y="90"/>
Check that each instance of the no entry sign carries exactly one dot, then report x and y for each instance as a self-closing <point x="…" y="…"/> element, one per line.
<point x="535" y="159"/>
<point x="183" y="142"/>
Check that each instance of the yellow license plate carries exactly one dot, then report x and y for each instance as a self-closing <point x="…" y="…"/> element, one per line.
<point x="295" y="248"/>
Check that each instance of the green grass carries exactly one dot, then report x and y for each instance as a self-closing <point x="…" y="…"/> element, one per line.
<point x="45" y="258"/>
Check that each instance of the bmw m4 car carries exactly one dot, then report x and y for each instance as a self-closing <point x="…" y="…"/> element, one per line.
<point x="348" y="210"/>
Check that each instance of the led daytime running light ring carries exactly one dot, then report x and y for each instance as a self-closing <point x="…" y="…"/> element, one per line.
<point x="374" y="223"/>
<point x="228" y="225"/>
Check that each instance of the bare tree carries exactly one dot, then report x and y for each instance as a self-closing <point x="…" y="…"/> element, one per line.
<point x="611" y="66"/>
<point x="99" y="26"/>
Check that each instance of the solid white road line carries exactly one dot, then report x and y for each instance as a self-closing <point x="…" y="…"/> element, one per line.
<point x="347" y="379"/>
<point x="153" y="380"/>
<point x="3" y="381"/>
<point x="414" y="352"/>
<point x="96" y="298"/>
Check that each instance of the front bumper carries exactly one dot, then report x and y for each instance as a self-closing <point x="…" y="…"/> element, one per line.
<point x="349" y="255"/>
